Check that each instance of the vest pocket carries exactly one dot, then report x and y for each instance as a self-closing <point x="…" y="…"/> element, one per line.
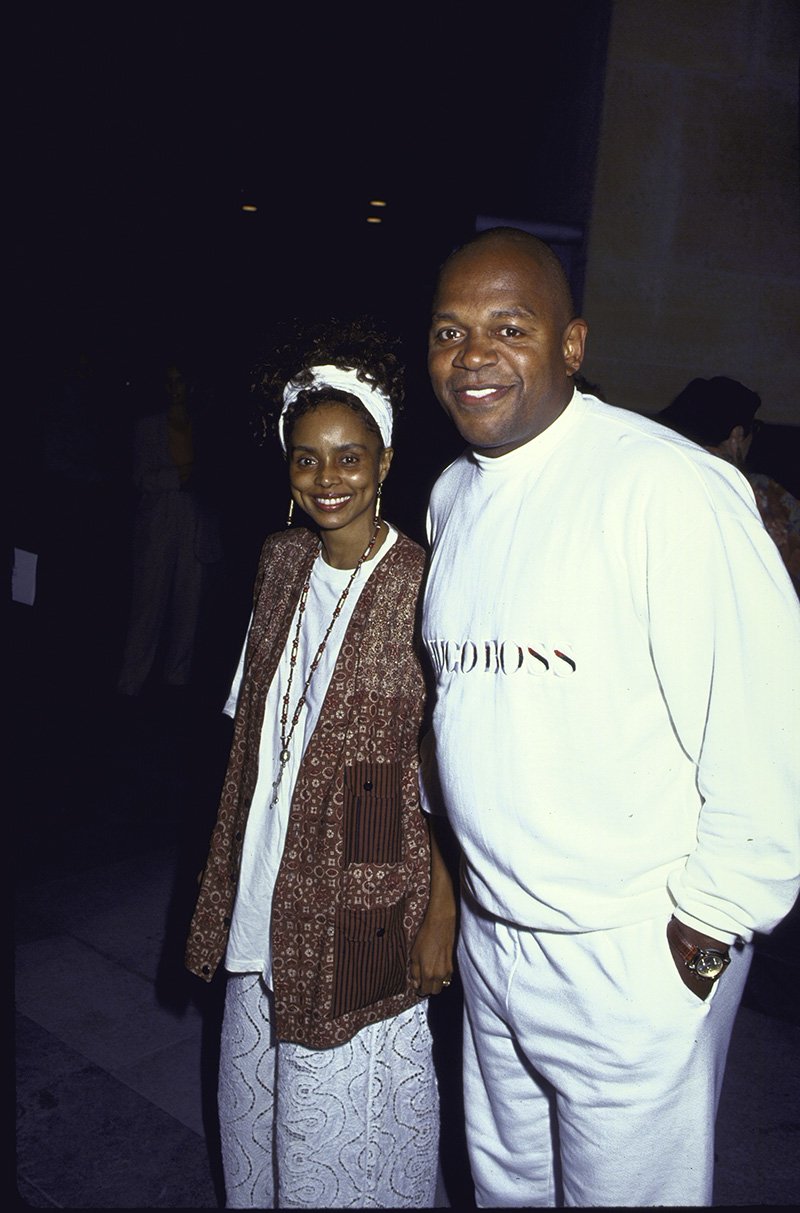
<point x="370" y="961"/>
<point x="373" y="812"/>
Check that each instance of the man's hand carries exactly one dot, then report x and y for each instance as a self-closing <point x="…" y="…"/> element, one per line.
<point x="701" y="986"/>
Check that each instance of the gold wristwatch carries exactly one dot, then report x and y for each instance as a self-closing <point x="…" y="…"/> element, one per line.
<point x="708" y="963"/>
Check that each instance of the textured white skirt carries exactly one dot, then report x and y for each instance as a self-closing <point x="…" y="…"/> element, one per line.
<point x="356" y="1126"/>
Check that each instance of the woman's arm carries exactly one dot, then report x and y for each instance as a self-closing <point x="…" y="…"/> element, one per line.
<point x="432" y="952"/>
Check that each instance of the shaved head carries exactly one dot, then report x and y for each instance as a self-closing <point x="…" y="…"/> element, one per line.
<point x="540" y="254"/>
<point x="504" y="344"/>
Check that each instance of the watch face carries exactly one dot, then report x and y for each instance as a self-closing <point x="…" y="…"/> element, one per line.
<point x="709" y="964"/>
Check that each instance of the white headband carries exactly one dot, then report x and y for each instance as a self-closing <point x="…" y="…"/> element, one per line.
<point x="374" y="401"/>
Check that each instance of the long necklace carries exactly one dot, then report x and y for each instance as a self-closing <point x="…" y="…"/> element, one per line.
<point x="286" y="737"/>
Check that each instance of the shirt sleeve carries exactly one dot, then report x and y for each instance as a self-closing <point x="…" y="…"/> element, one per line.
<point x="724" y="629"/>
<point x="229" y="708"/>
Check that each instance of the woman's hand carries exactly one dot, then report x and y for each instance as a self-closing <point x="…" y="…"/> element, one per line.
<point x="432" y="955"/>
<point x="431" y="966"/>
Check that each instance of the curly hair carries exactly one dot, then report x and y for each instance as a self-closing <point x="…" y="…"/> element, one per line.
<point x="360" y="344"/>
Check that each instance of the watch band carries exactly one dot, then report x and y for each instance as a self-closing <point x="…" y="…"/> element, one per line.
<point x="686" y="950"/>
<point x="692" y="953"/>
<point x="697" y="958"/>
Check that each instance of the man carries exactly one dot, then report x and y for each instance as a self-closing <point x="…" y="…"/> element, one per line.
<point x="616" y="645"/>
<point x="720" y="414"/>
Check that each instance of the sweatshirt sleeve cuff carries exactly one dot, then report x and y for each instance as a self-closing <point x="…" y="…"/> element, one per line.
<point x="706" y="928"/>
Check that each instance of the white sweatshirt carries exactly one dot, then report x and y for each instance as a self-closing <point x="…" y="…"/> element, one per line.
<point x="617" y="649"/>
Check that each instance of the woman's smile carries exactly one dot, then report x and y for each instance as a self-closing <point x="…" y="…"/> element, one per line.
<point x="332" y="503"/>
<point x="336" y="464"/>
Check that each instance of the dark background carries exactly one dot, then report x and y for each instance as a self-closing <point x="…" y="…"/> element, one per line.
<point x="142" y="135"/>
<point x="139" y="134"/>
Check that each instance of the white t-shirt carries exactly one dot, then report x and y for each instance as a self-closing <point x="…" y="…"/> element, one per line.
<point x="617" y="647"/>
<point x="248" y="948"/>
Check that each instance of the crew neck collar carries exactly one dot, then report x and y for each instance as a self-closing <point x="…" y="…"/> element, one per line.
<point x="333" y="575"/>
<point x="536" y="449"/>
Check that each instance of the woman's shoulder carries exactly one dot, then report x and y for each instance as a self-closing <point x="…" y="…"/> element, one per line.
<point x="408" y="548"/>
<point x="293" y="539"/>
<point x="406" y="556"/>
<point x="282" y="551"/>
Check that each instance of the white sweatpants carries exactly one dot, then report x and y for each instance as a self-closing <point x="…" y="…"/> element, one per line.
<point x="353" y="1126"/>
<point x="591" y="1073"/>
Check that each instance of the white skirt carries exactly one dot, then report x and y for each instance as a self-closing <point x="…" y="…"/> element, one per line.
<point x="353" y="1126"/>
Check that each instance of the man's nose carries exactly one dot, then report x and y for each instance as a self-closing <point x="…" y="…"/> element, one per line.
<point x="476" y="350"/>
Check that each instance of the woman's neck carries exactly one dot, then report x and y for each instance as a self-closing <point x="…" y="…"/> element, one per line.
<point x="345" y="551"/>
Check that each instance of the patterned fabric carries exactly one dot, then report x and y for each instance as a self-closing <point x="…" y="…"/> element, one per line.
<point x="353" y="1126"/>
<point x="354" y="878"/>
<point x="780" y="512"/>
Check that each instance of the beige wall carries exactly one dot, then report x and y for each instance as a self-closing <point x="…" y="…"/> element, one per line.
<point x="694" y="250"/>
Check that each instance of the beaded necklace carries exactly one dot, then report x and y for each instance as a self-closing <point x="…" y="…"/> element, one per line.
<point x="286" y="737"/>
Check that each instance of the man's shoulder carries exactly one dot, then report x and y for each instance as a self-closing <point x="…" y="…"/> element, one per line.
<point x="646" y="461"/>
<point x="454" y="472"/>
<point x="626" y="426"/>
<point x="642" y="441"/>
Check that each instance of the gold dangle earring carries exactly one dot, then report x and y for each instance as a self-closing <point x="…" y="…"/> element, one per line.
<point x="291" y="511"/>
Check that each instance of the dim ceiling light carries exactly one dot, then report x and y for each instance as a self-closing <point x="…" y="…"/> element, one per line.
<point x="248" y="206"/>
<point x="373" y="219"/>
<point x="377" y="202"/>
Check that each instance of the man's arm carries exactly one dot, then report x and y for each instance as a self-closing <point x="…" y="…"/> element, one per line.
<point x="725" y="639"/>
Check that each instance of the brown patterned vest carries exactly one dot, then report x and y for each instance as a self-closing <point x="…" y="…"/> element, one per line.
<point x="353" y="882"/>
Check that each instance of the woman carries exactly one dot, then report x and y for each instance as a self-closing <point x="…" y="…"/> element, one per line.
<point x="324" y="891"/>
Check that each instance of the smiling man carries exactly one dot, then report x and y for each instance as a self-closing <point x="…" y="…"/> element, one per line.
<point x="616" y="647"/>
<point x="499" y="401"/>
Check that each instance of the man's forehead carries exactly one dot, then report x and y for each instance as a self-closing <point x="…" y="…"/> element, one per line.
<point x="496" y="278"/>
<point x="506" y="311"/>
<point x="488" y="270"/>
<point x="494" y="290"/>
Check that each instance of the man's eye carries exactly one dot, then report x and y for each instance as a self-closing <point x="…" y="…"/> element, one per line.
<point x="508" y="330"/>
<point x="448" y="335"/>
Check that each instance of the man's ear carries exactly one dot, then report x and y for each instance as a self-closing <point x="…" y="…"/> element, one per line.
<point x="574" y="341"/>
<point x="738" y="444"/>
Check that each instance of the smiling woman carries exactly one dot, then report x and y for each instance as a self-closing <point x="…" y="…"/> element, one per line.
<point x="328" y="967"/>
<point x="337" y="465"/>
<point x="332" y="393"/>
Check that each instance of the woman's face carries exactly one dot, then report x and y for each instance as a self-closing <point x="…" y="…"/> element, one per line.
<point x="335" y="466"/>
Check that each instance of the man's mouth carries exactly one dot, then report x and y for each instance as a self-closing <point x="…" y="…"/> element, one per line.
<point x="486" y="394"/>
